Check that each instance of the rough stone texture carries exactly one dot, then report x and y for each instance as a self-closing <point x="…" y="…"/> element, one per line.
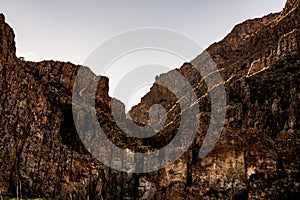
<point x="257" y="156"/>
<point x="40" y="152"/>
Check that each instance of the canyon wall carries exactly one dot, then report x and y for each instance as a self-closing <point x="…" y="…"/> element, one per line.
<point x="256" y="157"/>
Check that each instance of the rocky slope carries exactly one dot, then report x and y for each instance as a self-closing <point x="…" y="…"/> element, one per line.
<point x="257" y="156"/>
<point x="259" y="62"/>
<point x="40" y="153"/>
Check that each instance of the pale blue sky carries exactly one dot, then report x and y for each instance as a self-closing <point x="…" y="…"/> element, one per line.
<point x="69" y="30"/>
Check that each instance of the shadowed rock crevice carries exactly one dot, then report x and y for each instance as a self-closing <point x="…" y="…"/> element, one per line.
<point x="67" y="130"/>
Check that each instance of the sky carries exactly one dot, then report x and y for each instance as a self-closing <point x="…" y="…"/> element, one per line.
<point x="70" y="30"/>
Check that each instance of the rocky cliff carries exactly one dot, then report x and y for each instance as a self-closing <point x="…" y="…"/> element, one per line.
<point x="257" y="156"/>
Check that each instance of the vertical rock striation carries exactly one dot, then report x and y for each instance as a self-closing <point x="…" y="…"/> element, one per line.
<point x="257" y="156"/>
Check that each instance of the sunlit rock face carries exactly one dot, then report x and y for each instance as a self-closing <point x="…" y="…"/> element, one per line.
<point x="257" y="156"/>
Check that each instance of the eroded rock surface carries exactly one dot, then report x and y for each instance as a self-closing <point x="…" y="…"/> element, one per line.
<point x="257" y="156"/>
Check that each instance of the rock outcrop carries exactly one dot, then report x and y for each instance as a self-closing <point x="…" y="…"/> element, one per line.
<point x="259" y="62"/>
<point x="257" y="156"/>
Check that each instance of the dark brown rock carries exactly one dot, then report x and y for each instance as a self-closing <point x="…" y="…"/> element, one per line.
<point x="257" y="156"/>
<point x="7" y="42"/>
<point x="2" y="17"/>
<point x="259" y="61"/>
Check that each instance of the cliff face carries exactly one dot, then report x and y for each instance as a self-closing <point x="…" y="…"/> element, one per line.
<point x="40" y="153"/>
<point x="7" y="47"/>
<point x="257" y="156"/>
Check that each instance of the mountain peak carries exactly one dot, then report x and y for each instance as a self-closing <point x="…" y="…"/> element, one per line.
<point x="2" y="17"/>
<point x="7" y="41"/>
<point x="290" y="5"/>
